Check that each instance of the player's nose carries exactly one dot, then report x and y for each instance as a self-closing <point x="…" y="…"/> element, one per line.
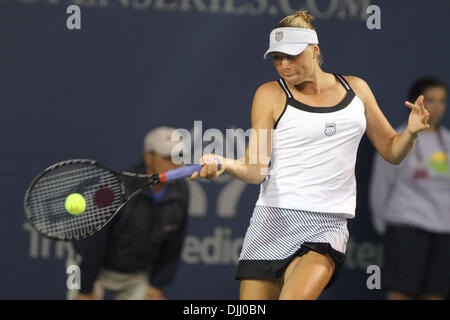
<point x="285" y="63"/>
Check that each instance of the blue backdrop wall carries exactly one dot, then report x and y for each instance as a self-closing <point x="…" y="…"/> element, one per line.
<point x="137" y="64"/>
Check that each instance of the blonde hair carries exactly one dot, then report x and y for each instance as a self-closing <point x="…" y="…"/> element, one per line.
<point x="300" y="19"/>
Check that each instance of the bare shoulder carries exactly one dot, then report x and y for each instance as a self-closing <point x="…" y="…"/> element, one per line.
<point x="359" y="86"/>
<point x="268" y="100"/>
<point x="269" y="90"/>
<point x="269" y="96"/>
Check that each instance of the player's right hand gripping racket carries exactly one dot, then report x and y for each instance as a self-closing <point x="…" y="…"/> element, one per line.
<point x="75" y="198"/>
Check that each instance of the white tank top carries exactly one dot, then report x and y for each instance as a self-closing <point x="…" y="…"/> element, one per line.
<point x="314" y="149"/>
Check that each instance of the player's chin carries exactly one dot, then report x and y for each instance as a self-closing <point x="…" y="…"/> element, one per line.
<point x="289" y="77"/>
<point x="294" y="79"/>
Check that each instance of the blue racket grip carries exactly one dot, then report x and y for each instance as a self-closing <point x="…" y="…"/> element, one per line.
<point x="182" y="172"/>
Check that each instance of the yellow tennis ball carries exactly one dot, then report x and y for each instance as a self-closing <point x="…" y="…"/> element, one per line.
<point x="75" y="204"/>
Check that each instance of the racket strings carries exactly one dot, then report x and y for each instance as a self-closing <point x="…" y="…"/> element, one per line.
<point x="100" y="188"/>
<point x="61" y="223"/>
<point x="65" y="183"/>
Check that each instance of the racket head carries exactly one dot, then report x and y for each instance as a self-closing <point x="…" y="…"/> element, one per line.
<point x="45" y="199"/>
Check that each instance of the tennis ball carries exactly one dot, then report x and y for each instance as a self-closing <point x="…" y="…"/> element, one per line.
<point x="75" y="204"/>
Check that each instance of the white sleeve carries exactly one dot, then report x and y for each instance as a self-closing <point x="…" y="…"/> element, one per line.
<point x="380" y="187"/>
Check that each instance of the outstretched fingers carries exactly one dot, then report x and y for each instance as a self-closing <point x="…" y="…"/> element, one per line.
<point x="420" y="109"/>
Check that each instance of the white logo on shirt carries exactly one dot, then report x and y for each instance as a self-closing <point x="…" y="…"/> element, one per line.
<point x="330" y="129"/>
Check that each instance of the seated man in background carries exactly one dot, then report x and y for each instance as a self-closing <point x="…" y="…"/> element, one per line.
<point x="139" y="250"/>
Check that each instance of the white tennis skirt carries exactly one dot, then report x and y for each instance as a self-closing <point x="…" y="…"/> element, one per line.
<point x="277" y="233"/>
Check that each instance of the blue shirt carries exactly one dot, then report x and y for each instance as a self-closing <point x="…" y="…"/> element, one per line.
<point x="158" y="196"/>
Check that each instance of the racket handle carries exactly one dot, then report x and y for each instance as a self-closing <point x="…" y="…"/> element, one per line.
<point x="182" y="172"/>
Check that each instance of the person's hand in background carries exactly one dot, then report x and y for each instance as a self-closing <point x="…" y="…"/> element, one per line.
<point x="83" y="296"/>
<point x="154" y="294"/>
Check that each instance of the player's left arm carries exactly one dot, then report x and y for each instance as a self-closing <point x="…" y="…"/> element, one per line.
<point x="390" y="144"/>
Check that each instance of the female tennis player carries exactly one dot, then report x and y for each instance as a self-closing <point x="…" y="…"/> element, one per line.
<point x="297" y="237"/>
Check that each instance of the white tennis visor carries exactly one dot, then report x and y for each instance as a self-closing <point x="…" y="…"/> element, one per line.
<point x="291" y="41"/>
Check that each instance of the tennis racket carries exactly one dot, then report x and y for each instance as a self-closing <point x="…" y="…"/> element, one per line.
<point x="97" y="187"/>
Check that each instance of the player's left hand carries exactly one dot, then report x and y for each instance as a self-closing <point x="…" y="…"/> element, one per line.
<point x="418" y="117"/>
